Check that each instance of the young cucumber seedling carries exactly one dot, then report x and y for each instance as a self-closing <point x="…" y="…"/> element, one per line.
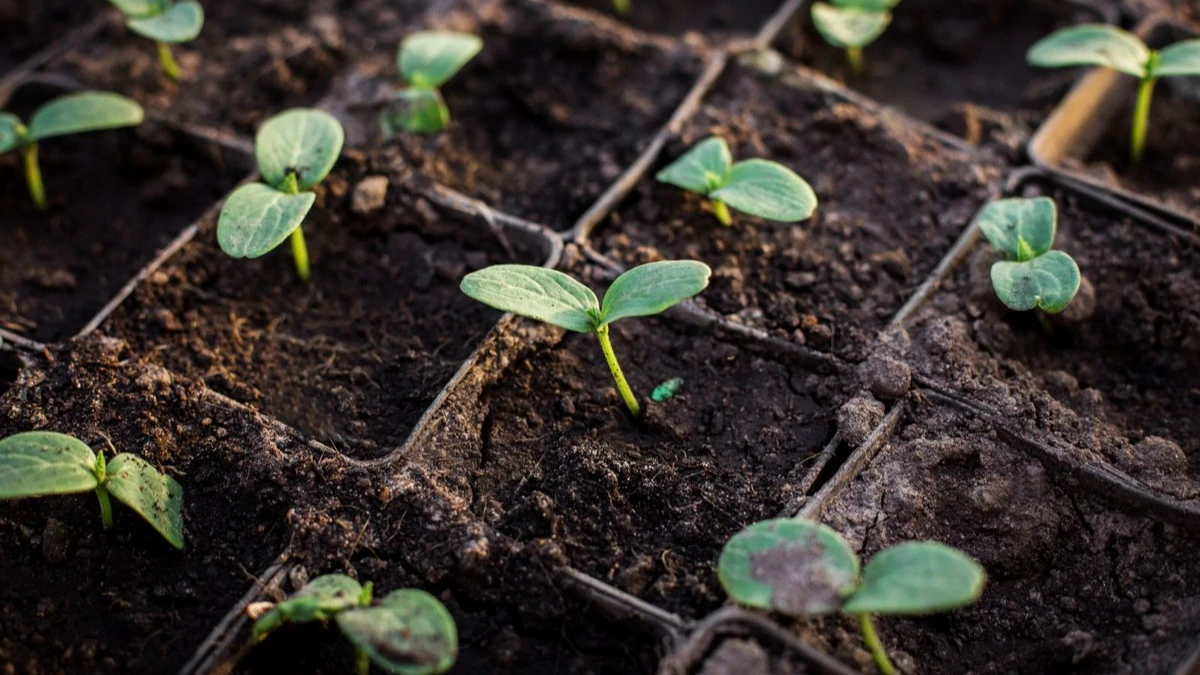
<point x="1102" y="45"/>
<point x="165" y="22"/>
<point x="295" y="151"/>
<point x="1033" y="276"/>
<point x="852" y="25"/>
<point x="66" y="115"/>
<point x="41" y="463"/>
<point x="755" y="186"/>
<point x="427" y="60"/>
<point x="801" y="568"/>
<point x="557" y="299"/>
<point x="408" y="633"/>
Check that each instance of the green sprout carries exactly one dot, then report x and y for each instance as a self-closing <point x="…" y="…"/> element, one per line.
<point x="801" y="568"/>
<point x="165" y="22"/>
<point x="65" y="115"/>
<point x="559" y="300"/>
<point x="1033" y="276"/>
<point x="427" y="60"/>
<point x="758" y="187"/>
<point x="1109" y="46"/>
<point x="295" y="151"/>
<point x="408" y="633"/>
<point x="852" y="25"/>
<point x="41" y="463"/>
<point x="623" y="7"/>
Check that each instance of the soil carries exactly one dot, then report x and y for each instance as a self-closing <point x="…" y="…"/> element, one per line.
<point x="954" y="63"/>
<point x="1170" y="168"/>
<point x="536" y="444"/>
<point x="710" y="19"/>
<point x="57" y="269"/>
<point x="1121" y="386"/>
<point x="548" y="115"/>
<point x="355" y="356"/>
<point x="891" y="203"/>
<point x="27" y="27"/>
<point x="1073" y="587"/>
<point x="77" y="598"/>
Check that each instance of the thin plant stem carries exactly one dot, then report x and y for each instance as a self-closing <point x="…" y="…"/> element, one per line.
<point x="622" y="385"/>
<point x="854" y="55"/>
<point x="291" y="186"/>
<point x="169" y="65"/>
<point x="877" y="652"/>
<point x="721" y="211"/>
<point x="1141" y="118"/>
<point x="105" y="505"/>
<point x="362" y="662"/>
<point x="33" y="176"/>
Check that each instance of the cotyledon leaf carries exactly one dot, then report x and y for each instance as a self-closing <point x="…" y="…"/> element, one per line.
<point x="1179" y="59"/>
<point x="652" y="288"/>
<point x="537" y="293"/>
<point x="917" y="577"/>
<point x="152" y="494"/>
<point x="256" y="218"/>
<point x="849" y="27"/>
<point x="84" y="111"/>
<point x="1049" y="282"/>
<point x="10" y="132"/>
<point x="179" y="23"/>
<point x="1008" y="222"/>
<point x="408" y="633"/>
<point x="1091" y="45"/>
<point x="431" y="58"/>
<point x="319" y="600"/>
<point x="768" y="190"/>
<point x="39" y="463"/>
<point x="701" y="169"/>
<point x="303" y="141"/>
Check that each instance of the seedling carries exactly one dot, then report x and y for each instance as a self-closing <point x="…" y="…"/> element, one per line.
<point x="427" y="60"/>
<point x="852" y="25"/>
<point x="623" y="7"/>
<point x="801" y="568"/>
<point x="758" y="187"/>
<point x="559" y="300"/>
<point x="166" y="22"/>
<point x="1033" y="276"/>
<point x="42" y="463"/>
<point x="65" y="115"/>
<point x="408" y="633"/>
<point x="295" y="151"/>
<point x="1109" y="46"/>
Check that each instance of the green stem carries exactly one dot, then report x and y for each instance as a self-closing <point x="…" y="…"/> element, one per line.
<point x="721" y="211"/>
<point x="855" y="56"/>
<point x="100" y="471"/>
<point x="33" y="176"/>
<point x="876" y="647"/>
<point x="167" y="59"/>
<point x="622" y="385"/>
<point x="1141" y="118"/>
<point x="291" y="186"/>
<point x="362" y="661"/>
<point x="623" y="7"/>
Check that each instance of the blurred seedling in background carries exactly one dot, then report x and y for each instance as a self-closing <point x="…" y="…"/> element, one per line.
<point x="295" y="150"/>
<point x="409" y="632"/>
<point x="66" y="115"/>
<point x="623" y="7"/>
<point x="1033" y="276"/>
<point x="852" y="25"/>
<point x="755" y="186"/>
<point x="557" y="299"/>
<point x="166" y="22"/>
<point x="42" y="463"/>
<point x="427" y="60"/>
<point x="801" y="568"/>
<point x="1124" y="52"/>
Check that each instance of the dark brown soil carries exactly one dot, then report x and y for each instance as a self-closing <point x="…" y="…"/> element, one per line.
<point x="1170" y="169"/>
<point x="940" y="56"/>
<point x="28" y="27"/>
<point x="252" y="59"/>
<point x="713" y="19"/>
<point x="1123" y="385"/>
<point x="355" y="356"/>
<point x="891" y="203"/>
<point x="1073" y="587"/>
<point x="78" y="599"/>
<point x="539" y="446"/>
<point x="115" y="199"/>
<point x="551" y="111"/>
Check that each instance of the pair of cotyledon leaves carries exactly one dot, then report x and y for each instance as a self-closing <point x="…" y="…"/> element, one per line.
<point x="409" y="632"/>
<point x="163" y="20"/>
<point x="852" y="24"/>
<point x="426" y="61"/>
<point x="802" y="568"/>
<point x="1034" y="275"/>
<point x="1112" y="47"/>
<point x="70" y="114"/>
<point x="39" y="463"/>
<point x="758" y="187"/>
<point x="557" y="299"/>
<point x="257" y="217"/>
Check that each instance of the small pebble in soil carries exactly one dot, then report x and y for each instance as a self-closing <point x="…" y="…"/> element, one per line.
<point x="886" y="377"/>
<point x="858" y="417"/>
<point x="370" y="194"/>
<point x="56" y="540"/>
<point x="737" y="657"/>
